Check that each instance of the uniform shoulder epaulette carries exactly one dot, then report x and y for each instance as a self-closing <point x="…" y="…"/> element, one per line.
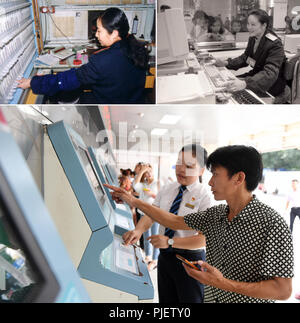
<point x="271" y="36"/>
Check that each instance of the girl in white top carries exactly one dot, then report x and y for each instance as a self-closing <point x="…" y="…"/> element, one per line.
<point x="200" y="24"/>
<point x="145" y="185"/>
<point x="216" y="30"/>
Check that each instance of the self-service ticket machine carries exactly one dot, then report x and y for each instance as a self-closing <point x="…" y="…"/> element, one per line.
<point x="88" y="224"/>
<point x="34" y="264"/>
<point x="106" y="178"/>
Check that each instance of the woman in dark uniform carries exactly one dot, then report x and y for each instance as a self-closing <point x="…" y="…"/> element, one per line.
<point x="115" y="74"/>
<point x="265" y="54"/>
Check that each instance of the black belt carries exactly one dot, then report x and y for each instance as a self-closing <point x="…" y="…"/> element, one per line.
<point x="180" y="251"/>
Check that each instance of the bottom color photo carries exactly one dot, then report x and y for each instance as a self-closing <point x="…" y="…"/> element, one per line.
<point x="149" y="204"/>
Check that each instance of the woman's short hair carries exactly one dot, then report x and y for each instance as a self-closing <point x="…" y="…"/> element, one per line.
<point x="239" y="158"/>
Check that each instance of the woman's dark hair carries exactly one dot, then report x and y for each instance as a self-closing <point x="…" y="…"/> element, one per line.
<point x="234" y="21"/>
<point x="115" y="19"/>
<point x="199" y="14"/>
<point x="262" y="16"/>
<point x="236" y="159"/>
<point x="126" y="172"/>
<point x="164" y="8"/>
<point x="211" y="21"/>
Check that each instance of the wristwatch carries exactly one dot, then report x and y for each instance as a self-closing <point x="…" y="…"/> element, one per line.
<point x="170" y="243"/>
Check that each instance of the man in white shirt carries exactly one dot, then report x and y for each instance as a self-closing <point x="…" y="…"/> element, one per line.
<point x="182" y="197"/>
<point x="293" y="202"/>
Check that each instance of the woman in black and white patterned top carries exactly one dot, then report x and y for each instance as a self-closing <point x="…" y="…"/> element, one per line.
<point x="249" y="248"/>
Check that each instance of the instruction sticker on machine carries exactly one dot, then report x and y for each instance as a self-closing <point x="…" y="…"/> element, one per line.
<point x="125" y="258"/>
<point x="122" y="221"/>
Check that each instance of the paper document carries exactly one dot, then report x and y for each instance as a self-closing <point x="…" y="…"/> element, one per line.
<point x="47" y="59"/>
<point x="176" y="88"/>
<point x="122" y="221"/>
<point x="63" y="54"/>
<point x="125" y="259"/>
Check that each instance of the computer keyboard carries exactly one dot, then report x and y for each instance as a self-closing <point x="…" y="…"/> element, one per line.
<point x="218" y="76"/>
<point x="226" y="74"/>
<point x="246" y="97"/>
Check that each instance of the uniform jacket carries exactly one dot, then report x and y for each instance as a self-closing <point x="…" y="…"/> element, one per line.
<point x="110" y="74"/>
<point x="267" y="63"/>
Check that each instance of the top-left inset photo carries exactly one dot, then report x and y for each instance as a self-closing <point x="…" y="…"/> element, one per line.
<point x="77" y="52"/>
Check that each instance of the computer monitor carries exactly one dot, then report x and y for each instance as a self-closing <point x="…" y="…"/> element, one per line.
<point x="93" y="16"/>
<point x="106" y="177"/>
<point x="292" y="43"/>
<point x="112" y="173"/>
<point x="78" y="166"/>
<point x="92" y="175"/>
<point x="34" y="265"/>
<point x="172" y="39"/>
<point x="25" y="275"/>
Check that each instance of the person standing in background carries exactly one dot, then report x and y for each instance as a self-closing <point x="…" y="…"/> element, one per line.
<point x="200" y="25"/>
<point x="145" y="185"/>
<point x="293" y="201"/>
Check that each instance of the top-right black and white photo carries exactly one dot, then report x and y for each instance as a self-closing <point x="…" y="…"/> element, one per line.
<point x="228" y="52"/>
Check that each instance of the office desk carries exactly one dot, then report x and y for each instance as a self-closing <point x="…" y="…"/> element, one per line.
<point x="60" y="66"/>
<point x="41" y="69"/>
<point x="211" y="99"/>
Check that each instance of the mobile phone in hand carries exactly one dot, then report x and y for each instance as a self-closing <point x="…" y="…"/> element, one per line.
<point x="188" y="263"/>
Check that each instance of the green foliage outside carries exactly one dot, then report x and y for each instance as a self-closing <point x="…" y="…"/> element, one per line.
<point x="282" y="160"/>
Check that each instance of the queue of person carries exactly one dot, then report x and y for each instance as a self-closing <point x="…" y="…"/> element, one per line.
<point x="141" y="184"/>
<point x="208" y="28"/>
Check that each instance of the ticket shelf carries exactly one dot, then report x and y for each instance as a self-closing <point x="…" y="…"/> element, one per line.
<point x="19" y="92"/>
<point x="6" y="37"/>
<point x="9" y="7"/>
